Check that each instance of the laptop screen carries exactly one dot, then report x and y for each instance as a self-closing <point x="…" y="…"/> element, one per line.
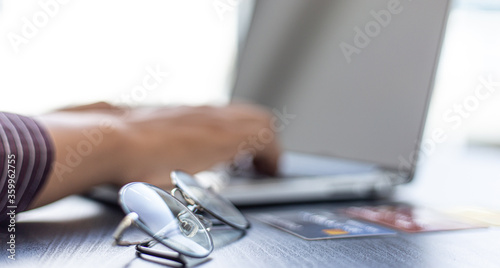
<point x="354" y="77"/>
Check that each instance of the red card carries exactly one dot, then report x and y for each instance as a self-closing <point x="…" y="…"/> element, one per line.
<point x="408" y="218"/>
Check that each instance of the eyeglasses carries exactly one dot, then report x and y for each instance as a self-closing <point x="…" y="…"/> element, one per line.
<point x="171" y="223"/>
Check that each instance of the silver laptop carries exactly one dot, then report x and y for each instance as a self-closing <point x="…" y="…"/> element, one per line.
<point x="350" y="84"/>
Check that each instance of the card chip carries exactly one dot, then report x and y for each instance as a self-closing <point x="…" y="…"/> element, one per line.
<point x="334" y="231"/>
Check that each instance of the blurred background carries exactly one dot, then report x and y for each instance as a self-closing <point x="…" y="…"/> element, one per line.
<point x="87" y="51"/>
<point x="470" y="53"/>
<point x="99" y="50"/>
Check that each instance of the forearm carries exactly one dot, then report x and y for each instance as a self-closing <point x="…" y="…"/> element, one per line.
<point x="99" y="144"/>
<point x="88" y="152"/>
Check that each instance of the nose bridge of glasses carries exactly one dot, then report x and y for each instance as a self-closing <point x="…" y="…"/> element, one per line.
<point x="185" y="197"/>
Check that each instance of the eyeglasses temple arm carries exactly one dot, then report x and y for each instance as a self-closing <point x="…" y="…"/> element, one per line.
<point x="122" y="226"/>
<point x="145" y="248"/>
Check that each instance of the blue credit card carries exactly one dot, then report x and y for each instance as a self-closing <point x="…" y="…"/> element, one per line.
<point x="322" y="224"/>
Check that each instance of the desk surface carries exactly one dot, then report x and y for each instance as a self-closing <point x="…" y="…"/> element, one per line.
<point x="76" y="232"/>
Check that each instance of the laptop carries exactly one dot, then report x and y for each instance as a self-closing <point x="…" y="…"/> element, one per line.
<point x="350" y="84"/>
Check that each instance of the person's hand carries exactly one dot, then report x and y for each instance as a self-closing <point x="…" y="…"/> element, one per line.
<point x="101" y="143"/>
<point x="194" y="139"/>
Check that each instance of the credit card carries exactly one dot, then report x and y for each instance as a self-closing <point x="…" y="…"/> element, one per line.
<point x="409" y="218"/>
<point x="322" y="224"/>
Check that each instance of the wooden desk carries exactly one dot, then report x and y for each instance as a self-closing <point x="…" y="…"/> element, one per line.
<point x="76" y="232"/>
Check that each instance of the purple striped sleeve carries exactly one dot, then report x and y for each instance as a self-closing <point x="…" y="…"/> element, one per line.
<point x="26" y="155"/>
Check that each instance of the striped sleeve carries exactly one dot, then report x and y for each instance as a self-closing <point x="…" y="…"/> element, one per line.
<point x="26" y="155"/>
